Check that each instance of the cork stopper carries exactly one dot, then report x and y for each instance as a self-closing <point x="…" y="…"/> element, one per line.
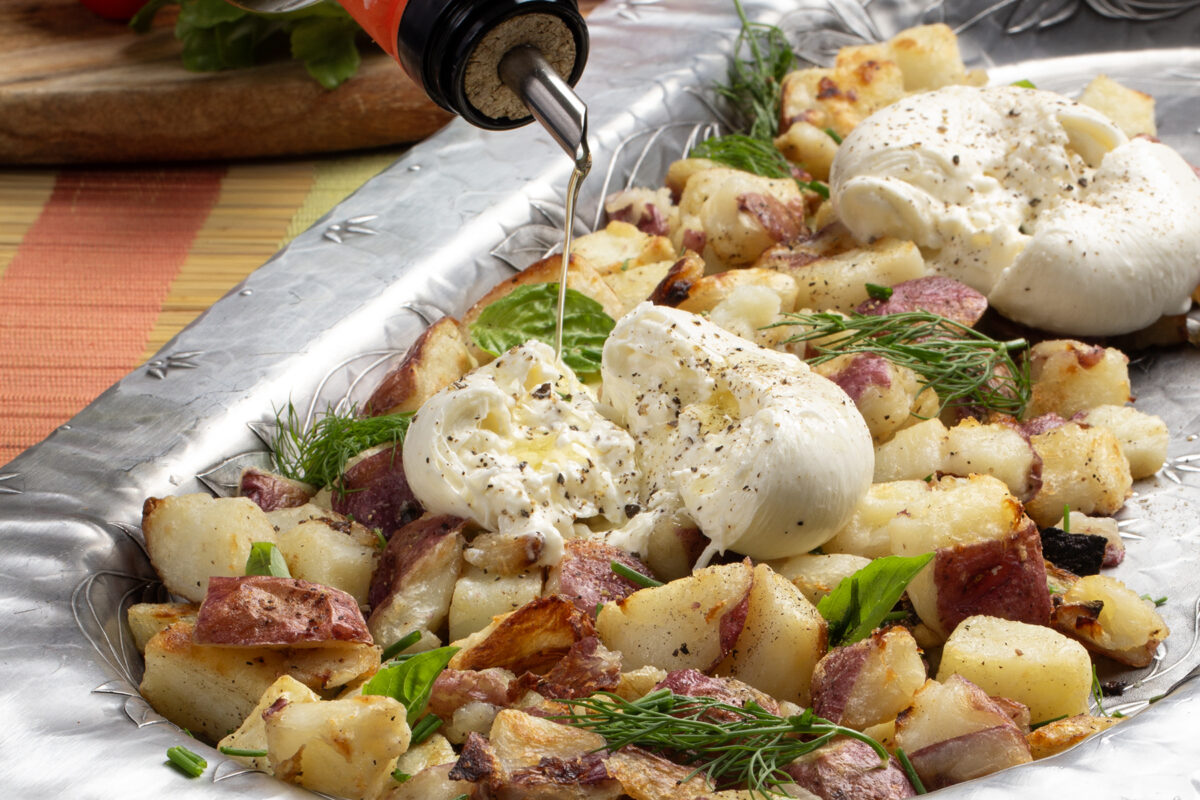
<point x="483" y="87"/>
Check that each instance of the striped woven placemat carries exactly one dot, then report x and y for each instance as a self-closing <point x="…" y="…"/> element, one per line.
<point x="99" y="267"/>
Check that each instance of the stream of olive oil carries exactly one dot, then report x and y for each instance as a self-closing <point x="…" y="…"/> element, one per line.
<point x="583" y="164"/>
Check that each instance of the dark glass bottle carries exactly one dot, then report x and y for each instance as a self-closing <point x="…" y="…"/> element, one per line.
<point x="453" y="48"/>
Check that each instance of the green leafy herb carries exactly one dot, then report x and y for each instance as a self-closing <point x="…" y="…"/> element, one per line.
<point x="411" y="681"/>
<point x="861" y="601"/>
<point x="400" y="776"/>
<point x="380" y="539"/>
<point x="756" y="79"/>
<point x="400" y="645"/>
<point x="907" y="766"/>
<point x="630" y="574"/>
<point x="1024" y="83"/>
<point x="877" y="292"/>
<point x="217" y="35"/>
<point x="424" y="729"/>
<point x="530" y="312"/>
<point x="319" y="454"/>
<point x="187" y="762"/>
<point x="1098" y="693"/>
<point x="965" y="367"/>
<point x="832" y="134"/>
<point x="739" y="747"/>
<point x="1159" y="602"/>
<point x="242" y="753"/>
<point x="266" y="559"/>
<point x="745" y="153"/>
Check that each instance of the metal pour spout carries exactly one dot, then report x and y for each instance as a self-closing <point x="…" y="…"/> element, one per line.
<point x="551" y="100"/>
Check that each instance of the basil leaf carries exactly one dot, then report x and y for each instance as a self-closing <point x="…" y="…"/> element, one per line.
<point x="265" y="559"/>
<point x="861" y="601"/>
<point x="877" y="292"/>
<point x="529" y="312"/>
<point x="326" y="46"/>
<point x="207" y="14"/>
<point x="411" y="681"/>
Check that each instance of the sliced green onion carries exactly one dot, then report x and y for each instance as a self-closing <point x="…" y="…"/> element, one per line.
<point x="243" y="753"/>
<point x="187" y="762"/>
<point x="629" y="574"/>
<point x="424" y="729"/>
<point x="400" y="645"/>
<point x="907" y="766"/>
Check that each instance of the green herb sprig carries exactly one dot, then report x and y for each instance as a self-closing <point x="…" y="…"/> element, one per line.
<point x="266" y="559"/>
<point x="631" y="574"/>
<point x="187" y="762"/>
<point x="411" y="681"/>
<point x="732" y="746"/>
<point x="964" y="366"/>
<point x="531" y="312"/>
<point x="745" y="153"/>
<point x="860" y="602"/>
<point x="318" y="455"/>
<point x="755" y="82"/>
<point x="217" y="35"/>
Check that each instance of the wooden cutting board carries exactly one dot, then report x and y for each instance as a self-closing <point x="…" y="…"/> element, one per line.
<point x="78" y="88"/>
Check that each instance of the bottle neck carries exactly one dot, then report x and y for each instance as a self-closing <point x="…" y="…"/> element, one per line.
<point x="454" y="50"/>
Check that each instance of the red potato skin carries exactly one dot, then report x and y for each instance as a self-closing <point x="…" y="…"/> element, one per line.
<point x="405" y="549"/>
<point x="533" y="638"/>
<point x="934" y="293"/>
<point x="375" y="493"/>
<point x="861" y="373"/>
<point x="585" y="574"/>
<point x="971" y="755"/>
<point x="271" y="492"/>
<point x="1003" y="578"/>
<point x="731" y="625"/>
<point x="454" y="688"/>
<point x="834" y="678"/>
<point x="779" y="221"/>
<point x="265" y="611"/>
<point x="587" y="668"/>
<point x="848" y="768"/>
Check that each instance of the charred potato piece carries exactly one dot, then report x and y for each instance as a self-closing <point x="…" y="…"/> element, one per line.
<point x="414" y="585"/>
<point x="1133" y="111"/>
<point x="264" y="611"/>
<point x="252" y="733"/>
<point x="954" y="732"/>
<point x="1143" y="437"/>
<point x="692" y="622"/>
<point x="1070" y="376"/>
<point x="340" y="747"/>
<point x="332" y="552"/>
<point x="869" y="682"/>
<point x="780" y="641"/>
<point x="1062" y="734"/>
<point x="439" y="357"/>
<point x="1032" y="664"/>
<point x="838" y="281"/>
<point x="210" y="690"/>
<point x="1082" y="468"/>
<point x="1110" y="618"/>
<point x="622" y="246"/>
<point x="531" y="639"/>
<point x="147" y="619"/>
<point x="194" y="537"/>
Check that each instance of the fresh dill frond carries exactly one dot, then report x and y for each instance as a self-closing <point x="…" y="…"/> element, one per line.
<point x="729" y="745"/>
<point x="318" y="455"/>
<point x="964" y="366"/>
<point x="745" y="153"/>
<point x="755" y="82"/>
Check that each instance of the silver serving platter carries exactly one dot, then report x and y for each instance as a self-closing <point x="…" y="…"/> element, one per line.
<point x="320" y="322"/>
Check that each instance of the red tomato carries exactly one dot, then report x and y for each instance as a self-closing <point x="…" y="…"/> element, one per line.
<point x="121" y="10"/>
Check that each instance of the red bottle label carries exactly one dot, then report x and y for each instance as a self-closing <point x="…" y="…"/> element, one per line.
<point x="380" y="19"/>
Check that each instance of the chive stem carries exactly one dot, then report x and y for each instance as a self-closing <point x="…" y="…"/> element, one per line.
<point x="630" y="574"/>
<point x="400" y="645"/>
<point x="187" y="762"/>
